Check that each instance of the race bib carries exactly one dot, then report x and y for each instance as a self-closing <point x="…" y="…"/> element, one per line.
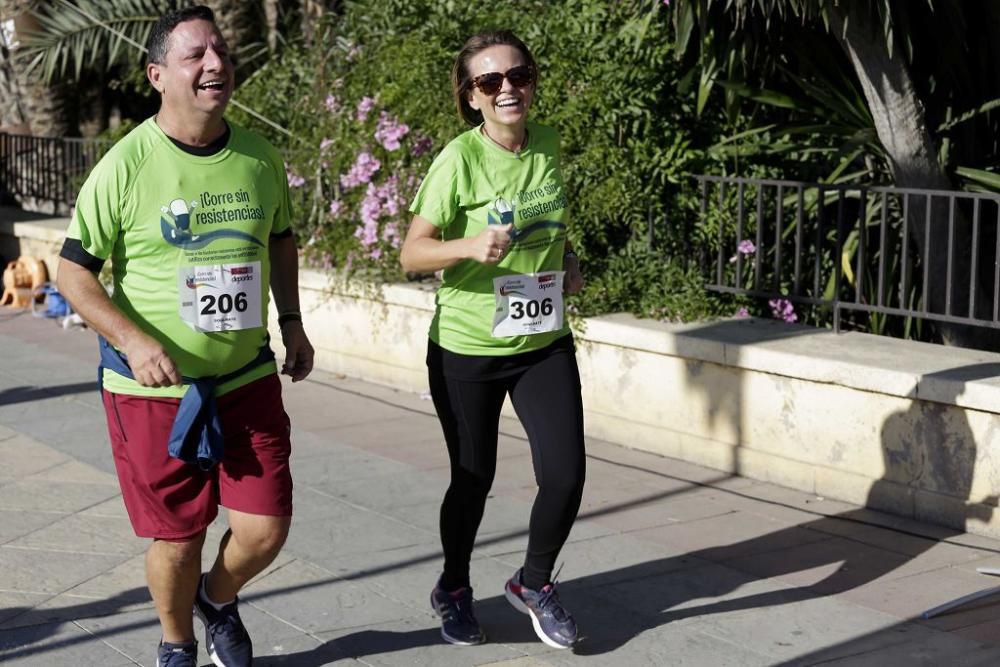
<point x="527" y="304"/>
<point x="220" y="297"/>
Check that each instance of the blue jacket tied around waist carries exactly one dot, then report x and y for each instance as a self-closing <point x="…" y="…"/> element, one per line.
<point x="196" y="436"/>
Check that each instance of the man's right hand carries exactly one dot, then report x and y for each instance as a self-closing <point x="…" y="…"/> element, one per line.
<point x="150" y="363"/>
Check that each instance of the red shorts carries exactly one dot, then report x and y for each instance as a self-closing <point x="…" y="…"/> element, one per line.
<point x="169" y="499"/>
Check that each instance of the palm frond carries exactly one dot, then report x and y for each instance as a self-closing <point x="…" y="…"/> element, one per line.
<point x="87" y="34"/>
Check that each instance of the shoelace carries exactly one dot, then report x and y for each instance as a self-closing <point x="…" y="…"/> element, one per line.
<point x="230" y="624"/>
<point x="462" y="607"/>
<point x="549" y="597"/>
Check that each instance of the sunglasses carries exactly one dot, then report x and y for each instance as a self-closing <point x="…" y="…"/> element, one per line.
<point x="490" y="83"/>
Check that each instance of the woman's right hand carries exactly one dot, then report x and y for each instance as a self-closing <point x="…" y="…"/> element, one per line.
<point x="490" y="245"/>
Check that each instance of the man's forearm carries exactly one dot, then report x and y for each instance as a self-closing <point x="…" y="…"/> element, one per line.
<point x="285" y="274"/>
<point x="90" y="300"/>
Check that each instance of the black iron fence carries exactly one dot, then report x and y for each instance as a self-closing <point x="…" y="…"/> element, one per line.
<point x="44" y="173"/>
<point x="881" y="257"/>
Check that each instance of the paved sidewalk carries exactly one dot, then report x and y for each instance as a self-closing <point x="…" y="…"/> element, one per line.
<point x="669" y="564"/>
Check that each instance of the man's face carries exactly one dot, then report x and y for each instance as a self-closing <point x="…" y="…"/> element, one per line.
<point x="198" y="73"/>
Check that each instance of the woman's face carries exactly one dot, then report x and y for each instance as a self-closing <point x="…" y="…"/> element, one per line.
<point x="509" y="105"/>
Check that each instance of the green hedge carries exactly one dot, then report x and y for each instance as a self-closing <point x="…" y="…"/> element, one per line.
<point x="608" y="83"/>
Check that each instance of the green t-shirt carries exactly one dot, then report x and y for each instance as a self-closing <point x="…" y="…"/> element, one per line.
<point x="459" y="196"/>
<point x="188" y="240"/>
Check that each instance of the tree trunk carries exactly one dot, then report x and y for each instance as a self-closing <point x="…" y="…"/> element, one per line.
<point x="902" y="129"/>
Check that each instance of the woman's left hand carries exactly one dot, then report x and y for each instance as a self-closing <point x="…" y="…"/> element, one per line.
<point x="573" y="281"/>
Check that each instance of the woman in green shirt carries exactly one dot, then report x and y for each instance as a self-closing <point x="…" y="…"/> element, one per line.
<point x="492" y="214"/>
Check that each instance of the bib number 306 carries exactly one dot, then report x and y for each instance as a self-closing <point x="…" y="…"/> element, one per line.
<point x="531" y="309"/>
<point x="527" y="304"/>
<point x="220" y="297"/>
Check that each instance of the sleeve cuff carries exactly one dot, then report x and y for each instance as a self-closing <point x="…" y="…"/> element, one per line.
<point x="73" y="251"/>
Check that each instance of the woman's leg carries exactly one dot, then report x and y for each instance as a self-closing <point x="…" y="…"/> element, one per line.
<point x="470" y="418"/>
<point x="547" y="401"/>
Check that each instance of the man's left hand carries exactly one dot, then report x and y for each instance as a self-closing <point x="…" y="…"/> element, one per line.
<point x="573" y="281"/>
<point x="298" y="351"/>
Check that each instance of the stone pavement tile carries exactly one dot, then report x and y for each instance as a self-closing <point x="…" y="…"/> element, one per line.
<point x="861" y="530"/>
<point x="83" y="533"/>
<point x="663" y="467"/>
<point x="113" y="508"/>
<point x="13" y="604"/>
<point x="730" y="536"/>
<point x="615" y="558"/>
<point x="46" y="496"/>
<point x="56" y="645"/>
<point x="908" y="597"/>
<point x="354" y="531"/>
<point x="301" y="651"/>
<point x="52" y="572"/>
<point x="16" y="523"/>
<point x="342" y="463"/>
<point x="74" y="471"/>
<point x="930" y="650"/>
<point x="785" y="631"/>
<point x="655" y="597"/>
<point x="614" y="634"/>
<point x="21" y="456"/>
<point x="517" y="540"/>
<point x="381" y="433"/>
<point x="402" y="486"/>
<point x="314" y="599"/>
<point x="502" y="516"/>
<point x="987" y="632"/>
<point x="654" y="509"/>
<point x="527" y="661"/>
<point x="408" y="575"/>
<point x="831" y="566"/>
<point x="415" y="642"/>
<point x="136" y="634"/>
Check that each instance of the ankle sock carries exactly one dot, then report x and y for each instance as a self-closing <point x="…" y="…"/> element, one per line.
<point x="203" y="594"/>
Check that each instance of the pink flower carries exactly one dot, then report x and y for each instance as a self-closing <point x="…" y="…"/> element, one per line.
<point x="364" y="167"/>
<point x="390" y="131"/>
<point x="294" y="180"/>
<point x="332" y="103"/>
<point x="782" y="309"/>
<point x="336" y="206"/>
<point x="421" y="146"/>
<point x="745" y="248"/>
<point x="742" y="313"/>
<point x="364" y="108"/>
<point x="375" y="253"/>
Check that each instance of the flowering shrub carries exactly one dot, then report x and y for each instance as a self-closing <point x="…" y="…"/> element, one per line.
<point x="370" y="105"/>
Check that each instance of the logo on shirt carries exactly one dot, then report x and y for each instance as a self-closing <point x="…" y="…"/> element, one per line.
<point x="501" y="213"/>
<point x="177" y="230"/>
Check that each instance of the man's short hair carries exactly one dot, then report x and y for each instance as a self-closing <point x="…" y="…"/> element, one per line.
<point x="159" y="37"/>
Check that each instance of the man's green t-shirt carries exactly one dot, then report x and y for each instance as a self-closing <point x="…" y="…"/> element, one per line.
<point x="188" y="237"/>
<point x="460" y="195"/>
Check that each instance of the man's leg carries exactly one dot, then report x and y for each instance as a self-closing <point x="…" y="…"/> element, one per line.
<point x="172" y="570"/>
<point x="250" y="544"/>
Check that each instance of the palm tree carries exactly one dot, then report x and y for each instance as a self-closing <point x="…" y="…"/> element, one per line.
<point x="924" y="72"/>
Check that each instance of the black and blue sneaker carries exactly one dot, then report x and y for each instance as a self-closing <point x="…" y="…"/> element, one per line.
<point x="458" y="619"/>
<point x="553" y="624"/>
<point x="226" y="639"/>
<point x="184" y="654"/>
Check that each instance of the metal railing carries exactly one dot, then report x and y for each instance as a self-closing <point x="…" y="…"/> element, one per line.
<point x="866" y="253"/>
<point x="44" y="173"/>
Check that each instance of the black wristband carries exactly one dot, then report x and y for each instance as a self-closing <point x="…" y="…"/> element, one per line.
<point x="285" y="318"/>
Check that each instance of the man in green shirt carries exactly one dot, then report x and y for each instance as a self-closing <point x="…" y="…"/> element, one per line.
<point x="193" y="212"/>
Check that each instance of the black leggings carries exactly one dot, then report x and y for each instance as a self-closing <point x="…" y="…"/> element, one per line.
<point x="545" y="393"/>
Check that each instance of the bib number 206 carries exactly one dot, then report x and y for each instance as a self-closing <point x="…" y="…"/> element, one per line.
<point x="224" y="303"/>
<point x="532" y="308"/>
